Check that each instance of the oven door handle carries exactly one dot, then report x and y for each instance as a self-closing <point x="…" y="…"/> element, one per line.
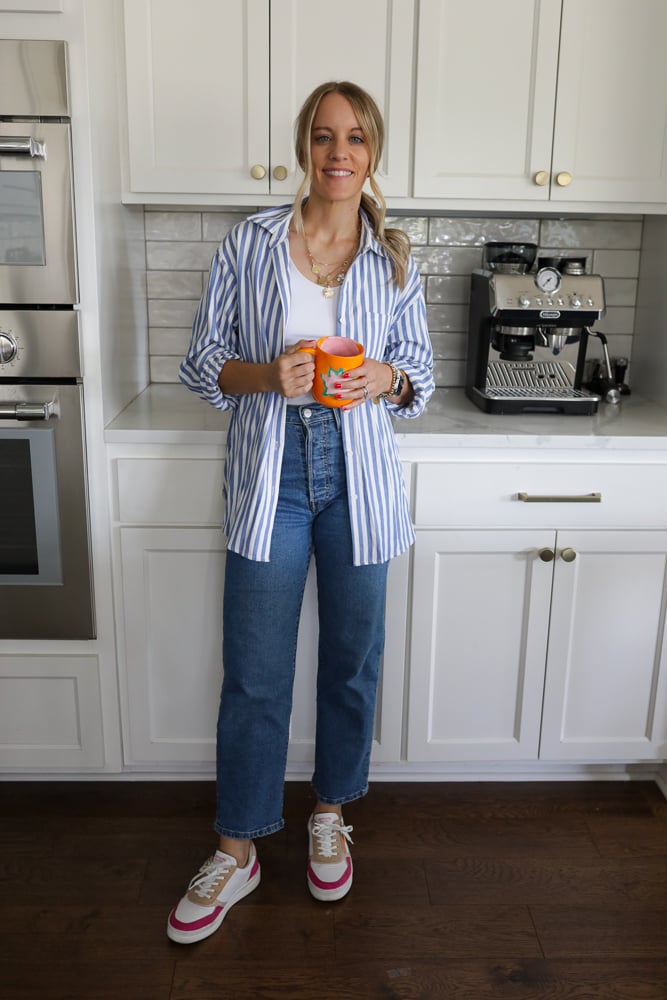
<point x="21" y="146"/>
<point x="28" y="411"/>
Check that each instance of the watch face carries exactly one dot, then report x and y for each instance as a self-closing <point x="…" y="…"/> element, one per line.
<point x="547" y="279"/>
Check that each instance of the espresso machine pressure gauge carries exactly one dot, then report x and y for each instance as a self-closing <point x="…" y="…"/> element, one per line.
<point x="547" y="280"/>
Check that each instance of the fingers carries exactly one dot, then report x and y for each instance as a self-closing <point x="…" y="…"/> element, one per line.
<point x="355" y="388"/>
<point x="295" y="371"/>
<point x="300" y="346"/>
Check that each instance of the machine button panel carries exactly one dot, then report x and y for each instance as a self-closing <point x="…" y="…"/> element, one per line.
<point x="576" y="292"/>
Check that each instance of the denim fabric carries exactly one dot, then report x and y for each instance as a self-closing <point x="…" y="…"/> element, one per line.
<point x="262" y="604"/>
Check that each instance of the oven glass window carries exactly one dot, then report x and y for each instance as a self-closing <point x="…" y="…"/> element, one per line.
<point x="18" y="539"/>
<point x="29" y="517"/>
<point x="21" y="218"/>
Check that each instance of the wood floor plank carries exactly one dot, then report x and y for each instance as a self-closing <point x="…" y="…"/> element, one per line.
<point x="559" y="880"/>
<point x="431" y="933"/>
<point x="521" y="979"/>
<point x="87" y="980"/>
<point x="627" y="837"/>
<point x="585" y="931"/>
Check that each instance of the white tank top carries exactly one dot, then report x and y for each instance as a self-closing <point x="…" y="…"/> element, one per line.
<point x="311" y="316"/>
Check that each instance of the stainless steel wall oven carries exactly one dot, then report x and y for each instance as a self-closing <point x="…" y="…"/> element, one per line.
<point x="45" y="573"/>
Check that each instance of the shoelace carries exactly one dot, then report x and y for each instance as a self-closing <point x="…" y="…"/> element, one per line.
<point x="327" y="844"/>
<point x="204" y="882"/>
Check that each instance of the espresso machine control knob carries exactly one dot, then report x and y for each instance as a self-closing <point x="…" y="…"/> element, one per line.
<point x="575" y="301"/>
<point x="8" y="348"/>
<point x="524" y="301"/>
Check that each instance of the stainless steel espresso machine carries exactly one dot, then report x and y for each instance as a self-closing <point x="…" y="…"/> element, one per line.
<point x="528" y="332"/>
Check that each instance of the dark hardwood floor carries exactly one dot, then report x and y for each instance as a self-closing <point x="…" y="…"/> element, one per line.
<point x="541" y="891"/>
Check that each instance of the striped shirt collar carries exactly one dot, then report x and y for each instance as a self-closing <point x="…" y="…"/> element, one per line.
<point x="277" y="222"/>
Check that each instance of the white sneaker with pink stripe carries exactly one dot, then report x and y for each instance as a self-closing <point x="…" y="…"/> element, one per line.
<point x="329" y="872"/>
<point x="218" y="884"/>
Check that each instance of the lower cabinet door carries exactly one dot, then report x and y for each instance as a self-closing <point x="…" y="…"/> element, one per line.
<point x="172" y="631"/>
<point x="606" y="684"/>
<point x="50" y="712"/>
<point x="480" y="618"/>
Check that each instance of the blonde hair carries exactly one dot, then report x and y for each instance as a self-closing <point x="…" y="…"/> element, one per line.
<point x="395" y="241"/>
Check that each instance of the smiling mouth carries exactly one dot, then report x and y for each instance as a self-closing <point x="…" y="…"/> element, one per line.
<point x="338" y="173"/>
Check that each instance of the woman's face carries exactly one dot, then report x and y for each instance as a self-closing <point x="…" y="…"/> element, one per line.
<point x="339" y="150"/>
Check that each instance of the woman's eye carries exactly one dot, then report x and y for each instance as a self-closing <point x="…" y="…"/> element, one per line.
<point x="321" y="138"/>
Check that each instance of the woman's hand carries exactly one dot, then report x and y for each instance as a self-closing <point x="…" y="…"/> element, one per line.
<point x="363" y="384"/>
<point x="292" y="372"/>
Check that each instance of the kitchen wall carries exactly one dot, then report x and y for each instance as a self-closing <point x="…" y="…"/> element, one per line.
<point x="180" y="243"/>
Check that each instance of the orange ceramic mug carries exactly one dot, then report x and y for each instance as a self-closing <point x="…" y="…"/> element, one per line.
<point x="333" y="357"/>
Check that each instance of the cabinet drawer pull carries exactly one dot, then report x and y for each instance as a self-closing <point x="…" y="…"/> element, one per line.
<point x="560" y="498"/>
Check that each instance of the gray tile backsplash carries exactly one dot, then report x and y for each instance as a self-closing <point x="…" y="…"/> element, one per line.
<point x="181" y="243"/>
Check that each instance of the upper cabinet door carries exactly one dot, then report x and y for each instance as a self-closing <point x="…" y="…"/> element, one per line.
<point x="486" y="85"/>
<point x="197" y="96"/>
<point x="370" y="44"/>
<point x="611" y="115"/>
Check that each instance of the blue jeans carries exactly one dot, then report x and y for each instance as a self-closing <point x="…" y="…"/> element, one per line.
<point x="262" y="604"/>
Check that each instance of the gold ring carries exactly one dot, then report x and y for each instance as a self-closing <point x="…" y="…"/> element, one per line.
<point x="365" y="391"/>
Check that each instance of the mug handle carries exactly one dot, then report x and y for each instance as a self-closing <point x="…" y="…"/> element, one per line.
<point x="307" y="350"/>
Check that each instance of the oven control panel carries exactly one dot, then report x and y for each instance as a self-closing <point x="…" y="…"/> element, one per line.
<point x="39" y="343"/>
<point x="8" y="347"/>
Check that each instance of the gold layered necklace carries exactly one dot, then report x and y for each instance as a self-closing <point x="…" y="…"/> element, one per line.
<point x="324" y="273"/>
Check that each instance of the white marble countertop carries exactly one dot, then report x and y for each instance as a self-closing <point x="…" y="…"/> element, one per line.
<point x="170" y="414"/>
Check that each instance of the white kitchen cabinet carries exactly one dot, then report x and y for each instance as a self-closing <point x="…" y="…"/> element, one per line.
<point x="479" y="631"/>
<point x="605" y="695"/>
<point x="213" y="90"/>
<point x="50" y="712"/>
<point x="171" y="570"/>
<point x="541" y="641"/>
<point x="31" y="6"/>
<point x="538" y="100"/>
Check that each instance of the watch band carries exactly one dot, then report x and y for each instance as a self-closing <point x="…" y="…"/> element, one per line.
<point x="397" y="383"/>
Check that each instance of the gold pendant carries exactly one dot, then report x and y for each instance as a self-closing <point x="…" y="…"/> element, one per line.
<point x="327" y="292"/>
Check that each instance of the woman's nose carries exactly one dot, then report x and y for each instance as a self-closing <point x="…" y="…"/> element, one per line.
<point x="337" y="150"/>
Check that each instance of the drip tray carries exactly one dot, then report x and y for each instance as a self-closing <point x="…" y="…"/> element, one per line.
<point x="536" y="379"/>
<point x="532" y="386"/>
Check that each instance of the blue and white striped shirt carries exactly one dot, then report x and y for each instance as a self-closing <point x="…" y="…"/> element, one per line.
<point x="242" y="315"/>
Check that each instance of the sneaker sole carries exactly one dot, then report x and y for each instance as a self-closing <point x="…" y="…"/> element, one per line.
<point x="191" y="937"/>
<point x="329" y="895"/>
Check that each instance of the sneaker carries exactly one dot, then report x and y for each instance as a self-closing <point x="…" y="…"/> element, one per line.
<point x="218" y="884"/>
<point x="329" y="872"/>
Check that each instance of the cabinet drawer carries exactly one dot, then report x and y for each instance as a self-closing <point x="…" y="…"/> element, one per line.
<point x="490" y="494"/>
<point x="170" y="491"/>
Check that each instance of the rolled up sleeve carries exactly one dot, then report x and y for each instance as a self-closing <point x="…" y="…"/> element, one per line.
<point x="214" y="339"/>
<point x="409" y="347"/>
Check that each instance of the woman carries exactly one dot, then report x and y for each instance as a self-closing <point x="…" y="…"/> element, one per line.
<point x="302" y="479"/>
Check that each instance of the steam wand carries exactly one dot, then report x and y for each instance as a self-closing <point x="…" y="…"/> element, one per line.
<point x="608" y="387"/>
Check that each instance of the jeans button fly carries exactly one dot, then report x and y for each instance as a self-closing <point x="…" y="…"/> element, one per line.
<point x="307" y="414"/>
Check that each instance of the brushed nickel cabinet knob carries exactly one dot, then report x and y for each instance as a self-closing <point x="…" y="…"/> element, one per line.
<point x="568" y="555"/>
<point x="546" y="555"/>
<point x="258" y="172"/>
<point x="280" y="173"/>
